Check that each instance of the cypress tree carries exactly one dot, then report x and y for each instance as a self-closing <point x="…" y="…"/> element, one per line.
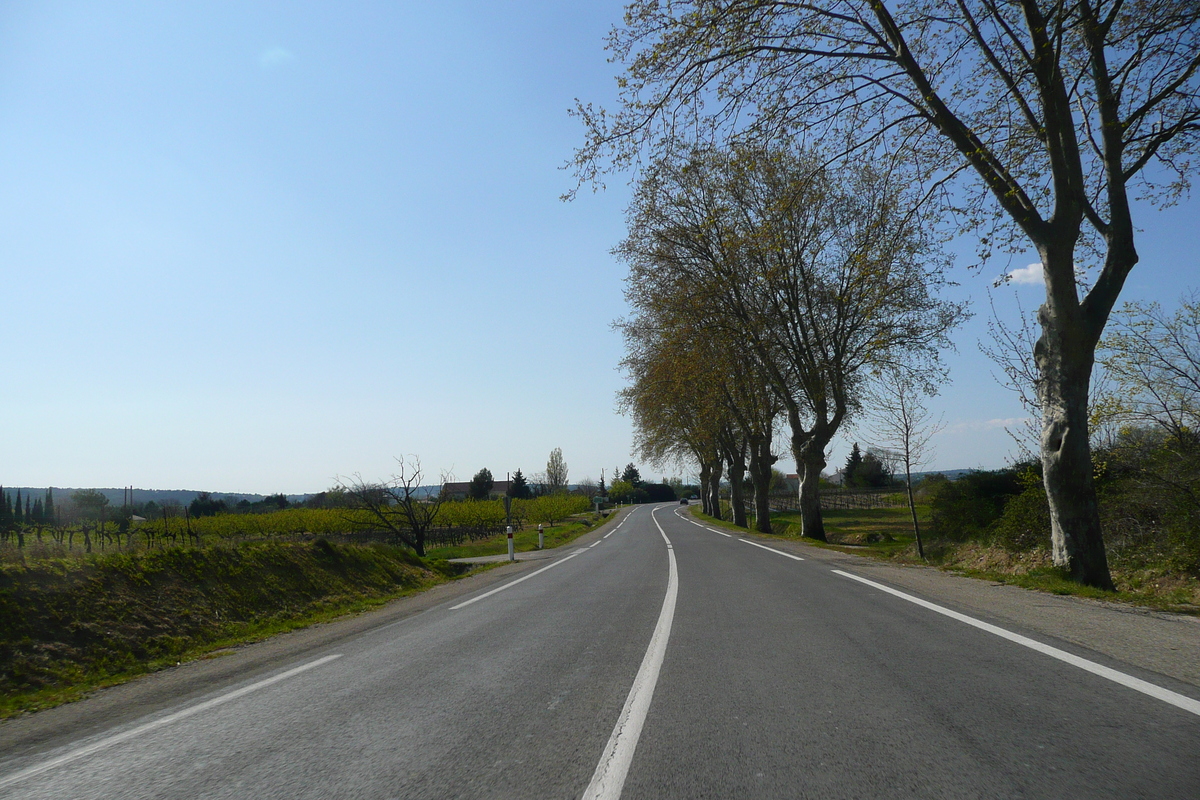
<point x="5" y="510"/>
<point x="39" y="515"/>
<point x="18" y="517"/>
<point x="849" y="476"/>
<point x="48" y="508"/>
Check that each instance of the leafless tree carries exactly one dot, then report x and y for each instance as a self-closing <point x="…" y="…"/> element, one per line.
<point x="904" y="427"/>
<point x="1154" y="361"/>
<point x="397" y="505"/>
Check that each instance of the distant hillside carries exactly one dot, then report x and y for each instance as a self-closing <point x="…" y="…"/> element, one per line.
<point x="952" y="474"/>
<point x="159" y="496"/>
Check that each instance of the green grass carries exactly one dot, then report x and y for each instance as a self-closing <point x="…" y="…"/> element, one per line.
<point x="523" y="541"/>
<point x="849" y="531"/>
<point x="68" y="626"/>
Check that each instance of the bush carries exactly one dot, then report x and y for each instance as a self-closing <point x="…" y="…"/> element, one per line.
<point x="659" y="493"/>
<point x="965" y="508"/>
<point x="1025" y="523"/>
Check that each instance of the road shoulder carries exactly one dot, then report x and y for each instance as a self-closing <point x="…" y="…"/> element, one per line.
<point x="1157" y="641"/>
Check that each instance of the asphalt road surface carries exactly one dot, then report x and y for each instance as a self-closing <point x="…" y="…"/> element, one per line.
<point x="664" y="660"/>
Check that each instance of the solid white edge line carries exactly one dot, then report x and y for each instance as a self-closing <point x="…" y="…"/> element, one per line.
<point x="609" y="777"/>
<point x="518" y="580"/>
<point x="125" y="736"/>
<point x="1137" y="684"/>
<point x="773" y="550"/>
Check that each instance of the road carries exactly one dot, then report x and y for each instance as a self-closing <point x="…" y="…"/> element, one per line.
<point x="664" y="659"/>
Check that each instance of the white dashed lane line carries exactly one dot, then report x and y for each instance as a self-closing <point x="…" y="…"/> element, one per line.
<point x="772" y="549"/>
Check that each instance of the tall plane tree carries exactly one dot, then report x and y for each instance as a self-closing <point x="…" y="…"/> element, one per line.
<point x="1049" y="109"/>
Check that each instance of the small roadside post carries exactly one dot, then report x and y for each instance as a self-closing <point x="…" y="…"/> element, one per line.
<point x="541" y="541"/>
<point x="511" y="555"/>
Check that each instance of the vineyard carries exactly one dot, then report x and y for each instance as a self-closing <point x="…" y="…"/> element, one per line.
<point x="456" y="523"/>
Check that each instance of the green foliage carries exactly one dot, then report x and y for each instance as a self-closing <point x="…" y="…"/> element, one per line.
<point x="89" y="502"/>
<point x="518" y="487"/>
<point x="621" y="491"/>
<point x="853" y="462"/>
<point x="481" y="485"/>
<point x="659" y="492"/>
<point x="965" y="508"/>
<point x="556" y="471"/>
<point x="204" y="505"/>
<point x="64" y="623"/>
<point x="631" y="476"/>
<point x="1025" y="523"/>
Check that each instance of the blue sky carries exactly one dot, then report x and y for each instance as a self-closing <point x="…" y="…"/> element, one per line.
<point x="256" y="246"/>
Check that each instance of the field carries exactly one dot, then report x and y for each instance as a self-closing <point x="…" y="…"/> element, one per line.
<point x="457" y="523"/>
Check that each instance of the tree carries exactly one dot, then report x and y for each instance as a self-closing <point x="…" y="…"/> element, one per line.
<point x="518" y="487"/>
<point x="631" y="476"/>
<point x="556" y="472"/>
<point x="822" y="275"/>
<point x="904" y="426"/>
<point x="1067" y="104"/>
<point x="204" y="505"/>
<point x="853" y="462"/>
<point x="396" y="505"/>
<point x="481" y="485"/>
<point x="89" y="503"/>
<point x="621" y="490"/>
<point x="1153" y="360"/>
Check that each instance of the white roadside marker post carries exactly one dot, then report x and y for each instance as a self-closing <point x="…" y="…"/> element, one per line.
<point x="511" y="555"/>
<point x="541" y="541"/>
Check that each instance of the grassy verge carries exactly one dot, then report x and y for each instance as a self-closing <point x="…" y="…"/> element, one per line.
<point x="886" y="534"/>
<point x="523" y="541"/>
<point x="70" y="626"/>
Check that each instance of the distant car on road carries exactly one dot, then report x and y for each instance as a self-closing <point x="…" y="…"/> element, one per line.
<point x="683" y="501"/>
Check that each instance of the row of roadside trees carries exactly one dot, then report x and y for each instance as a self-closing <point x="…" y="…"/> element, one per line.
<point x="792" y="158"/>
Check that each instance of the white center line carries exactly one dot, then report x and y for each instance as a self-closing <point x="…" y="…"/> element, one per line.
<point x="590" y="546"/>
<point x="518" y="580"/>
<point x="772" y="549"/>
<point x="1137" y="684"/>
<point x="609" y="777"/>
<point x="109" y="741"/>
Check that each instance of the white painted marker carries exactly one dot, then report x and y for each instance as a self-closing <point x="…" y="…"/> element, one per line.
<point x="773" y="550"/>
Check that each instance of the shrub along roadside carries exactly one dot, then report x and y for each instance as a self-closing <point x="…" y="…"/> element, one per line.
<point x="67" y="626"/>
<point x="1011" y="548"/>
